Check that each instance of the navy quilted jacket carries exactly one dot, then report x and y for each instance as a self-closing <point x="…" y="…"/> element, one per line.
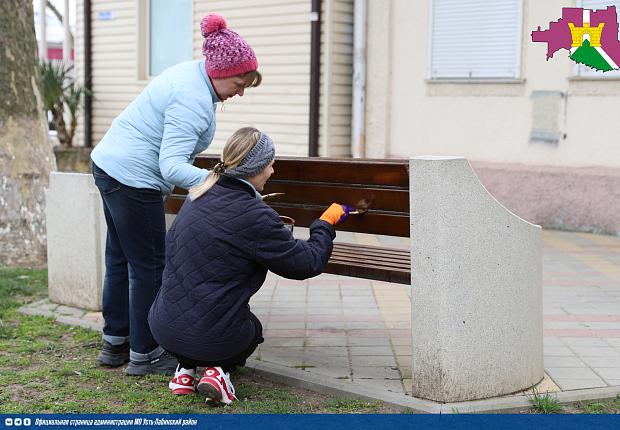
<point x="218" y="251"/>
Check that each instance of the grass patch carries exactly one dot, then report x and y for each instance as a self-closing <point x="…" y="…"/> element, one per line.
<point x="46" y="367"/>
<point x="545" y="403"/>
<point x="601" y="407"/>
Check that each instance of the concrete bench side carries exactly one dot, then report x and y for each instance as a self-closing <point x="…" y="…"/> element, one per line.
<point x="476" y="300"/>
<point x="76" y="233"/>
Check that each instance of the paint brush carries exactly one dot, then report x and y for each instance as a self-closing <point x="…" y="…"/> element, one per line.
<point x="268" y="196"/>
<point x="362" y="206"/>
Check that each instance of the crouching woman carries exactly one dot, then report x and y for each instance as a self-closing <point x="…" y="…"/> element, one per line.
<point x="218" y="252"/>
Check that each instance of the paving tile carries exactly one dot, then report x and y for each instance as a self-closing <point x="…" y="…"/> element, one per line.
<point x="36" y="312"/>
<point x="355" y="291"/>
<point x="584" y="341"/>
<point x="576" y="384"/>
<point x="557" y="351"/>
<point x="393" y="385"/>
<point x="401" y="341"/>
<point x="370" y="360"/>
<point x="561" y="361"/>
<point x="273" y="325"/>
<point x="357" y="312"/>
<point x="333" y="325"/>
<point x="325" y="341"/>
<point x="75" y="321"/>
<point x="571" y="372"/>
<point x="614" y="342"/>
<point x="368" y="341"/>
<point x="565" y="325"/>
<point x="601" y="361"/>
<point x="69" y="311"/>
<point x="45" y="304"/>
<point x="287" y="360"/>
<point x="330" y="351"/>
<point x="408" y="385"/>
<point x="596" y="351"/>
<point x="552" y="341"/>
<point x="608" y="373"/>
<point x="365" y="325"/>
<point x="96" y="318"/>
<point x="275" y="342"/>
<point x="320" y="360"/>
<point x="337" y="373"/>
<point x="375" y="372"/>
<point x="360" y="351"/>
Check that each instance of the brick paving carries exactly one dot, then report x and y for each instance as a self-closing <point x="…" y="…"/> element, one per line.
<point x="359" y="331"/>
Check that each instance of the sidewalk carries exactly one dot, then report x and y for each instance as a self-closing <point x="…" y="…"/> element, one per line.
<point x="353" y="335"/>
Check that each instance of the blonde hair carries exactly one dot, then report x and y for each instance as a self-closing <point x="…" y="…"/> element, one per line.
<point x="237" y="147"/>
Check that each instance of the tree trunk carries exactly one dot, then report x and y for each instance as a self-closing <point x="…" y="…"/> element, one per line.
<point x="26" y="156"/>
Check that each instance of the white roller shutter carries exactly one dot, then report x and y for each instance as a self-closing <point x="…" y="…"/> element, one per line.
<point x="475" y="39"/>
<point x="580" y="69"/>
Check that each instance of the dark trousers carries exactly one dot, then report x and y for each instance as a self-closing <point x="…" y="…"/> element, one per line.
<point x="228" y="364"/>
<point x="134" y="258"/>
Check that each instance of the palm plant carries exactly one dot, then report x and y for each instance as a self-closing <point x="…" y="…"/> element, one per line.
<point x="59" y="90"/>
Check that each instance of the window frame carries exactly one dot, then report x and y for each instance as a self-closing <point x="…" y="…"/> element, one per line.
<point x="517" y="77"/>
<point x="144" y="39"/>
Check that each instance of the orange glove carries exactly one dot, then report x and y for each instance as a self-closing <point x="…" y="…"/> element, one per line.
<point x="336" y="213"/>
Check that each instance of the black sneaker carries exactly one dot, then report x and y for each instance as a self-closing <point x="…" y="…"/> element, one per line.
<point x="165" y="364"/>
<point x="114" y="355"/>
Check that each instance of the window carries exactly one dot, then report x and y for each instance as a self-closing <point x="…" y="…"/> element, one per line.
<point x="588" y="72"/>
<point x="170" y="34"/>
<point x="475" y="39"/>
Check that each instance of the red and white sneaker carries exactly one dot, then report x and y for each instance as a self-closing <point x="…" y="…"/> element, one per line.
<point x="216" y="385"/>
<point x="184" y="381"/>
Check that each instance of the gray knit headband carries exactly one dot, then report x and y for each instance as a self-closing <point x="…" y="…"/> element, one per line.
<point x="255" y="161"/>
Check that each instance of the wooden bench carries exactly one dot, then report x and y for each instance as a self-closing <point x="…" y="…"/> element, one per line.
<point x="312" y="184"/>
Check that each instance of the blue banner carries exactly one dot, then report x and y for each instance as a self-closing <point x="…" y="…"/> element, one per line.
<point x="318" y="421"/>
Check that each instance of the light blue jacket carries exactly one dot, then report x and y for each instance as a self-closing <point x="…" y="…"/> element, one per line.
<point x="153" y="142"/>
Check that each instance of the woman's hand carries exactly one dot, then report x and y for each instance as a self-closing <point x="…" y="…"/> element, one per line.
<point x="336" y="213"/>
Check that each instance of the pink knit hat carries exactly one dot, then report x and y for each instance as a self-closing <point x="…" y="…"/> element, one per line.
<point x="226" y="53"/>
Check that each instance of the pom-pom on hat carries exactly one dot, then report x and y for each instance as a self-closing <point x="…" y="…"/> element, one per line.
<point x="226" y="53"/>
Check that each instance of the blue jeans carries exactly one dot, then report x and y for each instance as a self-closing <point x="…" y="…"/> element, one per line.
<point x="134" y="260"/>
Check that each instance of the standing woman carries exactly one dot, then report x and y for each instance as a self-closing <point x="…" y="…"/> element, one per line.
<point x="148" y="150"/>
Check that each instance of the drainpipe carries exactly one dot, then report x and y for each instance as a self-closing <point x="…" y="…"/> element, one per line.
<point x="88" y="100"/>
<point x="66" y="42"/>
<point x="315" y="72"/>
<point x="358" y="129"/>
<point x="42" y="30"/>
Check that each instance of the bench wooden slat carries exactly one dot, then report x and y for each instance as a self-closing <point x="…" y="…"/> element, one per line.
<point x="372" y="249"/>
<point x="372" y="222"/>
<point x="385" y="199"/>
<point x="345" y="260"/>
<point x="393" y="172"/>
<point x="370" y="260"/>
<point x="387" y="263"/>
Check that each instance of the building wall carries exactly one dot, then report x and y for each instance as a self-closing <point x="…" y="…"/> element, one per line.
<point x="569" y="185"/>
<point x="484" y="121"/>
<point x="279" y="32"/>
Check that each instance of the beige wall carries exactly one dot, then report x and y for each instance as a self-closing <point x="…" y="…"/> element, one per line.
<point x="279" y="32"/>
<point x="481" y="121"/>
